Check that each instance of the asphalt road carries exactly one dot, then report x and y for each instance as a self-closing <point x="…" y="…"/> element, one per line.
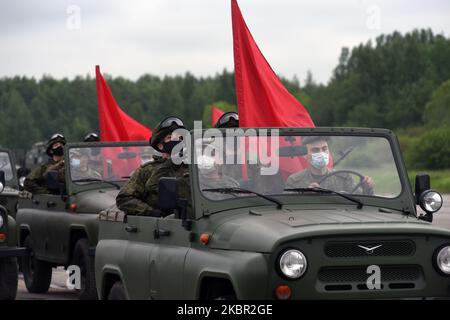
<point x="59" y="291"/>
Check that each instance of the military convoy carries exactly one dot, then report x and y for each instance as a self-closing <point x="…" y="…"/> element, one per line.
<point x="258" y="240"/>
<point x="9" y="252"/>
<point x="61" y="229"/>
<point x="272" y="242"/>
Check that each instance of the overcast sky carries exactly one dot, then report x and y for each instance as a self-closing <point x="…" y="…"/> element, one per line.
<point x="64" y="38"/>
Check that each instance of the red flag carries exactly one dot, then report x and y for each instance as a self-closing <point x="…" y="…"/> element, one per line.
<point x="262" y="99"/>
<point x="216" y="113"/>
<point x="114" y="123"/>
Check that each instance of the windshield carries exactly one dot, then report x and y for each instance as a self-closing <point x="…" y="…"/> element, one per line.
<point x="117" y="163"/>
<point x="353" y="165"/>
<point x="5" y="166"/>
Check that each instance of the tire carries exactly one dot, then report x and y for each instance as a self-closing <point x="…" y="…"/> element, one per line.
<point x="9" y="277"/>
<point x="117" y="292"/>
<point x="86" y="263"/>
<point x="37" y="274"/>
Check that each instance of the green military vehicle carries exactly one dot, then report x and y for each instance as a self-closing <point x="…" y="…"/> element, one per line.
<point x="8" y="250"/>
<point x="61" y="228"/>
<point x="350" y="231"/>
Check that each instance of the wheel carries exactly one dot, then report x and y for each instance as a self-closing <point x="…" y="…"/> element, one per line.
<point x="9" y="276"/>
<point x="82" y="259"/>
<point x="117" y="292"/>
<point x="37" y="274"/>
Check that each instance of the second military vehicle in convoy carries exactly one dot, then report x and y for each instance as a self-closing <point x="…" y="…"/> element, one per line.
<point x="61" y="228"/>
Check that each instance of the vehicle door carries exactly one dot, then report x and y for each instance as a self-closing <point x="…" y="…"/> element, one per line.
<point x="173" y="246"/>
<point x="45" y="212"/>
<point x="139" y="263"/>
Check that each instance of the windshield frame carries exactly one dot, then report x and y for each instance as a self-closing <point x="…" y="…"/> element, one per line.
<point x="403" y="202"/>
<point x="74" y="188"/>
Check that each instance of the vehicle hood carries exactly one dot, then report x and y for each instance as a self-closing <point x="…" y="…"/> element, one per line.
<point x="264" y="230"/>
<point x="93" y="201"/>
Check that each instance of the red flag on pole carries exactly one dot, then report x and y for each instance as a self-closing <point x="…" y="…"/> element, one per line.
<point x="262" y="99"/>
<point x="114" y="123"/>
<point x="216" y="113"/>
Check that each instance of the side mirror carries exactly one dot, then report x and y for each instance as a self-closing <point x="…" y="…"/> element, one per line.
<point x="422" y="184"/>
<point x="168" y="193"/>
<point x="2" y="181"/>
<point x="53" y="183"/>
<point x="168" y="200"/>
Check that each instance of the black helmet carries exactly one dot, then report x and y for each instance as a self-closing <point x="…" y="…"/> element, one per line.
<point x="91" y="137"/>
<point x="164" y="128"/>
<point x="228" y="120"/>
<point x="57" y="137"/>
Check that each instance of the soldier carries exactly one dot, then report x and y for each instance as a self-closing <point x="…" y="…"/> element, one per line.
<point x="211" y="177"/>
<point x="36" y="181"/>
<point x="79" y="166"/>
<point x="140" y="194"/>
<point x="318" y="158"/>
<point x="230" y="120"/>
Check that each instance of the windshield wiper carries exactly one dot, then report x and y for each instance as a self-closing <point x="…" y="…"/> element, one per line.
<point x="327" y="191"/>
<point x="98" y="180"/>
<point x="245" y="191"/>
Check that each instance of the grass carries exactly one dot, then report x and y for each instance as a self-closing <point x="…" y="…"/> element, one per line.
<point x="440" y="179"/>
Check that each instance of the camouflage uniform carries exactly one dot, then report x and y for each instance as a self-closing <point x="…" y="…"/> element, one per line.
<point x="338" y="182"/>
<point x="36" y="181"/>
<point x="140" y="194"/>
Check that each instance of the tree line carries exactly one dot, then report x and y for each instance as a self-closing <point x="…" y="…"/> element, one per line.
<point x="397" y="81"/>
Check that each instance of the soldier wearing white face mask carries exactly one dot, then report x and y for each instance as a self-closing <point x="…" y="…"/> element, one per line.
<point x="318" y="157"/>
<point x="211" y="177"/>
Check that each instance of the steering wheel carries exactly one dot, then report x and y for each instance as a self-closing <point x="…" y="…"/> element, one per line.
<point x="337" y="172"/>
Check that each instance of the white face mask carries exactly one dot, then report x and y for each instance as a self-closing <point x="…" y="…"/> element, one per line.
<point x="75" y="162"/>
<point x="206" y="165"/>
<point x="319" y="160"/>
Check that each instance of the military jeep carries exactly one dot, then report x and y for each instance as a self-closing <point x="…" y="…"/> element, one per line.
<point x="276" y="234"/>
<point x="8" y="249"/>
<point x="61" y="228"/>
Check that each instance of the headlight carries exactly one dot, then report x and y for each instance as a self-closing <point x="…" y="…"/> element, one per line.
<point x="1" y="221"/>
<point x="293" y="264"/>
<point x="443" y="259"/>
<point x="430" y="201"/>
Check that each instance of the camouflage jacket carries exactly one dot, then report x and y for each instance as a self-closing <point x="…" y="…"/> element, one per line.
<point x="36" y="181"/>
<point x="140" y="194"/>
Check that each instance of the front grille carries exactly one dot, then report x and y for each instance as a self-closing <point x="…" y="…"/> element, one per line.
<point x="356" y="249"/>
<point x="359" y="274"/>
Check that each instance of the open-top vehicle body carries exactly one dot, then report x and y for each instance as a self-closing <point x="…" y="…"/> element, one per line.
<point x="272" y="236"/>
<point x="61" y="228"/>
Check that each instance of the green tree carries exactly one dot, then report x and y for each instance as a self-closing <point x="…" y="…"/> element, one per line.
<point x="437" y="111"/>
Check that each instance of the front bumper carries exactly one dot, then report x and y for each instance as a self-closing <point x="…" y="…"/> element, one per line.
<point x="8" y="252"/>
